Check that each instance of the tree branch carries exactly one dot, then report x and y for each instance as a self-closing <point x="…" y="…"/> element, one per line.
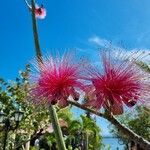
<point x="87" y="109"/>
<point x="128" y="132"/>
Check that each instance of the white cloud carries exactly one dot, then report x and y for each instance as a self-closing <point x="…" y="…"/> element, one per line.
<point x="141" y="54"/>
<point x="99" y="41"/>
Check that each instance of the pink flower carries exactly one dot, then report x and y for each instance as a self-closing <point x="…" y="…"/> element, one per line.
<point x="56" y="80"/>
<point x="40" y="12"/>
<point x="121" y="82"/>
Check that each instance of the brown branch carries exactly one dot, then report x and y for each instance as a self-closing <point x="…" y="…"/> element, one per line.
<point x="87" y="109"/>
<point x="128" y="132"/>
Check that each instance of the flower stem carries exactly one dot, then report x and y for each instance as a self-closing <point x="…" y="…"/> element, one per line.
<point x="53" y="114"/>
<point x="35" y="34"/>
<point x="56" y="127"/>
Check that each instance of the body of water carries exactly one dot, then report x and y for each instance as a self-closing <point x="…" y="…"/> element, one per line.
<point x="113" y="143"/>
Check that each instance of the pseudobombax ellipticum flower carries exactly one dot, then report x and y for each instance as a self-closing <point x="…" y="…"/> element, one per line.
<point x="56" y="80"/>
<point x="119" y="82"/>
<point x="40" y="12"/>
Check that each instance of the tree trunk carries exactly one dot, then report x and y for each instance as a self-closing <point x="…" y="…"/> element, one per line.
<point x="27" y="145"/>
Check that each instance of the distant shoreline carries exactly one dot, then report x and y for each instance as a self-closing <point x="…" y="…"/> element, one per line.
<point x="109" y="137"/>
<point x="112" y="142"/>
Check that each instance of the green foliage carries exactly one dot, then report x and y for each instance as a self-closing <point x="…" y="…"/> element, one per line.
<point x="65" y="114"/>
<point x="93" y="132"/>
<point x="141" y="122"/>
<point x="14" y="95"/>
<point x="143" y="65"/>
<point x="85" y="132"/>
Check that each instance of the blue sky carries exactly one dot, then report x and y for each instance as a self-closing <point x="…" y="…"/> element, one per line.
<point x="83" y="25"/>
